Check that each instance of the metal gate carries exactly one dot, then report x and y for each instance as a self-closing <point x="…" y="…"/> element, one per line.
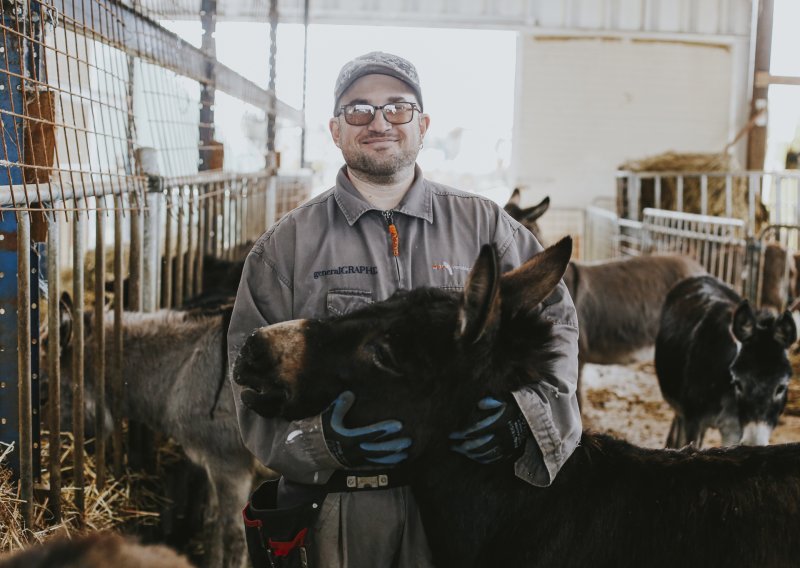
<point x="717" y="243"/>
<point x="759" y="267"/>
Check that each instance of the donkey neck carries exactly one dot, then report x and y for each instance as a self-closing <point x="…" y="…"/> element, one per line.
<point x="160" y="349"/>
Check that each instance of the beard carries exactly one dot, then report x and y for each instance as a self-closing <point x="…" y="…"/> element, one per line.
<point x="380" y="168"/>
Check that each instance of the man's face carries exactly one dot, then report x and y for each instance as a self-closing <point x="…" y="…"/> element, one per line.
<point x="379" y="149"/>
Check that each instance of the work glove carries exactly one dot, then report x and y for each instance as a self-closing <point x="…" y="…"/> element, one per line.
<point x="382" y="443"/>
<point x="498" y="431"/>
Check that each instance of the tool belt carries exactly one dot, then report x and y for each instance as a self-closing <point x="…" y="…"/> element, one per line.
<point x="278" y="538"/>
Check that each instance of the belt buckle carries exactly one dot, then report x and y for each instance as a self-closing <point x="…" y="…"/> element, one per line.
<point x="367" y="481"/>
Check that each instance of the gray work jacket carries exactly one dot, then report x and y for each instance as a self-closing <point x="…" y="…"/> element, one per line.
<point x="334" y="254"/>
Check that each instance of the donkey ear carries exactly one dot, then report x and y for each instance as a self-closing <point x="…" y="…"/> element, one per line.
<point x="65" y="321"/>
<point x="525" y="287"/>
<point x="744" y="321"/>
<point x="480" y="305"/>
<point x="785" y="329"/>
<point x="533" y="213"/>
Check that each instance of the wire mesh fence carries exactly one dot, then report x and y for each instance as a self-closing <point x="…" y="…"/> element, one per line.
<point x="113" y="188"/>
<point x="85" y="84"/>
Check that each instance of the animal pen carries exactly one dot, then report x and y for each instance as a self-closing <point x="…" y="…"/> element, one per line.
<point x="111" y="174"/>
<point x="740" y="225"/>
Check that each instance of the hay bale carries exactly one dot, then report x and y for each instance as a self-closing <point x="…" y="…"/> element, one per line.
<point x="678" y="163"/>
<point x="122" y="503"/>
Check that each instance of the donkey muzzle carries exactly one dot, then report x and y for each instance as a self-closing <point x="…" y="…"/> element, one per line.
<point x="267" y="366"/>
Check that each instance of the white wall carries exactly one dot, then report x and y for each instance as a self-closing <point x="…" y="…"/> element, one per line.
<point x="584" y="105"/>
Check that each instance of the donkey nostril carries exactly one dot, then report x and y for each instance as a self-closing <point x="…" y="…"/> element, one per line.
<point x="254" y="368"/>
<point x="244" y="370"/>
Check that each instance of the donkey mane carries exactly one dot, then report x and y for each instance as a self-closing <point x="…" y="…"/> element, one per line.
<point x="155" y="325"/>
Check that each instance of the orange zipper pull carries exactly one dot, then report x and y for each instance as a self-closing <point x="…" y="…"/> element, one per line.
<point x="393" y="233"/>
<point x="395" y="240"/>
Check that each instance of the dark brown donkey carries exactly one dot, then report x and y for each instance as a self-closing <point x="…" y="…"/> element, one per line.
<point x="427" y="356"/>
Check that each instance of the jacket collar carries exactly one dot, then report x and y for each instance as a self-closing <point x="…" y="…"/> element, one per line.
<point x="417" y="202"/>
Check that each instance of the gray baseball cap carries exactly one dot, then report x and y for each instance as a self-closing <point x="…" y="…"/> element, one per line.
<point x="376" y="62"/>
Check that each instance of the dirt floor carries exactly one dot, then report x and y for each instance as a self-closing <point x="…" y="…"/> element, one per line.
<point x="625" y="401"/>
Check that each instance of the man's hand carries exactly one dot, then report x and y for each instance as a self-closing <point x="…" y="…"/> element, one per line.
<point x="498" y="431"/>
<point x="382" y="443"/>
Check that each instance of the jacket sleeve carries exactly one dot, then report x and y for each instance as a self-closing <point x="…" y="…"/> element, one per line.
<point x="296" y="450"/>
<point x="550" y="406"/>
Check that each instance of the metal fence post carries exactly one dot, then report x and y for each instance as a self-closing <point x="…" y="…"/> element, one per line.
<point x="25" y="449"/>
<point x="100" y="344"/>
<point x="78" y="354"/>
<point x="54" y="369"/>
<point x="151" y="238"/>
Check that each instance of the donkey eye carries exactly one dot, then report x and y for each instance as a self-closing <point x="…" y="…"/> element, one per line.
<point x="383" y="357"/>
<point x="780" y="390"/>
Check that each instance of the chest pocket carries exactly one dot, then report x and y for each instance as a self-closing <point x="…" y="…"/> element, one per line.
<point x="342" y="302"/>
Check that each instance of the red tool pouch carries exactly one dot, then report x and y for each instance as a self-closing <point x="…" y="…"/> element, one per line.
<point x="276" y="538"/>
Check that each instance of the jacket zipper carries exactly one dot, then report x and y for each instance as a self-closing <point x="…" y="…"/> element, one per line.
<point x="395" y="237"/>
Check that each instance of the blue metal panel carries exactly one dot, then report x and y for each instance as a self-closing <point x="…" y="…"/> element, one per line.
<point x="9" y="391"/>
<point x="11" y="100"/>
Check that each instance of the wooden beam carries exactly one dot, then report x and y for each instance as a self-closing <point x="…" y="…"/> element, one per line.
<point x="757" y="139"/>
<point x="764" y="79"/>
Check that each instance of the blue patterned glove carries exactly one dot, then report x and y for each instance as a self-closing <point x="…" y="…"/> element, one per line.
<point x="382" y="443"/>
<point x="498" y="432"/>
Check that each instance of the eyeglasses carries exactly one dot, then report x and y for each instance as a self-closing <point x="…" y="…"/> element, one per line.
<point x="394" y="113"/>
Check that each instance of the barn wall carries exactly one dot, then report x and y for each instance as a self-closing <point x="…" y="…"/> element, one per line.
<point x="586" y="104"/>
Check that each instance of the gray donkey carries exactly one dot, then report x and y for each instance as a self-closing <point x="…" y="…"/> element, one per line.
<point x="173" y="381"/>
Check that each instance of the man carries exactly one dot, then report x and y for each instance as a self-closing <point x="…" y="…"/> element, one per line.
<point x="384" y="227"/>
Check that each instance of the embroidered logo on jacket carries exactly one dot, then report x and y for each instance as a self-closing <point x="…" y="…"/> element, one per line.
<point x="345" y="270"/>
<point x="450" y="268"/>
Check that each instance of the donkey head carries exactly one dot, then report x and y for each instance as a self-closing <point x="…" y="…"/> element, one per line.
<point x="527" y="217"/>
<point x="423" y="356"/>
<point x="761" y="370"/>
